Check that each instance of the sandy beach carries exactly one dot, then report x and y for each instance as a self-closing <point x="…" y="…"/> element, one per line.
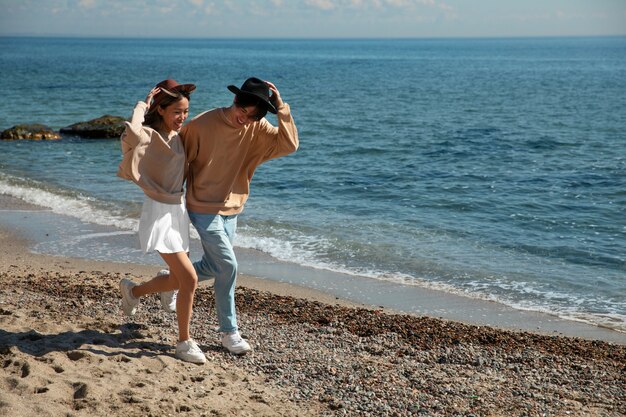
<point x="67" y="350"/>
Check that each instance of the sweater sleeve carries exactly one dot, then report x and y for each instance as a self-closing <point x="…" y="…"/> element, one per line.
<point x="189" y="136"/>
<point x="281" y="140"/>
<point x="132" y="138"/>
<point x="133" y="133"/>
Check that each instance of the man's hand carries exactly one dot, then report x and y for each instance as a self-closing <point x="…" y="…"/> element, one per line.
<point x="275" y="98"/>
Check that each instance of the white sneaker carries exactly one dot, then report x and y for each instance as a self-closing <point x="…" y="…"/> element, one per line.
<point x="129" y="302"/>
<point x="235" y="343"/>
<point x="189" y="351"/>
<point x="168" y="298"/>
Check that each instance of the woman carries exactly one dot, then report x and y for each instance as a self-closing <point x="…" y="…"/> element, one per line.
<point x="154" y="158"/>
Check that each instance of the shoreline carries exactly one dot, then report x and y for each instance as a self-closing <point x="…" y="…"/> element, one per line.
<point x="67" y="349"/>
<point x="262" y="272"/>
<point x="21" y="247"/>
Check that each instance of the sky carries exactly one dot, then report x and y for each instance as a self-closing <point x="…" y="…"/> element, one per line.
<point x="312" y="18"/>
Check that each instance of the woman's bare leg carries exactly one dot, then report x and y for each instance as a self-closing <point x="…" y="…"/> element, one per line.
<point x="182" y="270"/>
<point x="182" y="277"/>
<point x="156" y="285"/>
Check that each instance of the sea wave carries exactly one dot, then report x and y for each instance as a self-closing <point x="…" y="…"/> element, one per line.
<point x="302" y="251"/>
<point x="63" y="202"/>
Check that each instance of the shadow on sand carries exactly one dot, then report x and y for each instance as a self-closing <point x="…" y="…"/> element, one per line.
<point x="124" y="341"/>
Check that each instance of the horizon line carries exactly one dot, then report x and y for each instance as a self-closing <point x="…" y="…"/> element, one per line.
<point x="138" y="37"/>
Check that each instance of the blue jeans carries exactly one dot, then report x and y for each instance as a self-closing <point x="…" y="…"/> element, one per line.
<point x="217" y="233"/>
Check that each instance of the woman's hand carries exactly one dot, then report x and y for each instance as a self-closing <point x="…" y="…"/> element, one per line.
<point x="151" y="94"/>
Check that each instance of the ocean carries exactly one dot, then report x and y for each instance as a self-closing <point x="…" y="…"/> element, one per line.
<point x="494" y="169"/>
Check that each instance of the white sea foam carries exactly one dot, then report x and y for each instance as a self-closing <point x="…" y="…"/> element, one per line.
<point x="75" y="206"/>
<point x="289" y="252"/>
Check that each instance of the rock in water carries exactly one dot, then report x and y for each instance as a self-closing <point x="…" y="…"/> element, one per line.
<point x="103" y="127"/>
<point x="31" y="131"/>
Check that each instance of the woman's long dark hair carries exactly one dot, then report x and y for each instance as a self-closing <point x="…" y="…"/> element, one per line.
<point x="163" y="100"/>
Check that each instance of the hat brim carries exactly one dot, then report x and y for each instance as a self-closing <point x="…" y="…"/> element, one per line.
<point x="270" y="106"/>
<point x="185" y="88"/>
<point x="175" y="91"/>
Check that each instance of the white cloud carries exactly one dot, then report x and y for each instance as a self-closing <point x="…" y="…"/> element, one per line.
<point x="563" y="15"/>
<point x="398" y="3"/>
<point x="321" y="4"/>
<point x="409" y="3"/>
<point x="369" y="4"/>
<point x="229" y="4"/>
<point x="87" y="4"/>
<point x="210" y="8"/>
<point x="446" y="7"/>
<point x="197" y="3"/>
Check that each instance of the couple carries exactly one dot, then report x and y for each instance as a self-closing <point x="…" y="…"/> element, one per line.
<point x="216" y="153"/>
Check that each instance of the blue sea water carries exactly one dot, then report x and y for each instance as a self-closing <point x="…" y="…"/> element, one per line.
<point x="492" y="168"/>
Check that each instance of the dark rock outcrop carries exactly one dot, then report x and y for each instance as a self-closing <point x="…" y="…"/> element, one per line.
<point x="30" y="131"/>
<point x="103" y="127"/>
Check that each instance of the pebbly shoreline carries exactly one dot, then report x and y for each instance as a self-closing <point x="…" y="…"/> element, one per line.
<point x="333" y="360"/>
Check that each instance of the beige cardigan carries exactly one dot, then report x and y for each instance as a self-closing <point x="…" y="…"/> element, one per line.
<point x="222" y="158"/>
<point x="154" y="163"/>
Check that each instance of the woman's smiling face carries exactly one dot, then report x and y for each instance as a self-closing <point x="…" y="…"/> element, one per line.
<point x="175" y="114"/>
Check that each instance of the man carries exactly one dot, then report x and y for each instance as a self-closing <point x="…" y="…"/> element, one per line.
<point x="223" y="148"/>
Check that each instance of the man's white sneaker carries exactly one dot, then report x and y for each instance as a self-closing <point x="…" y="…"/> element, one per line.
<point x="168" y="298"/>
<point x="129" y="302"/>
<point x="235" y="343"/>
<point x="189" y="351"/>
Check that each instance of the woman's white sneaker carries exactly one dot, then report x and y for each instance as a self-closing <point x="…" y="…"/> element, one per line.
<point x="168" y="298"/>
<point x="129" y="302"/>
<point x="235" y="343"/>
<point x="189" y="351"/>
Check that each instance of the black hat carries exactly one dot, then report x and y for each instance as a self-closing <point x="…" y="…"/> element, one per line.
<point x="257" y="88"/>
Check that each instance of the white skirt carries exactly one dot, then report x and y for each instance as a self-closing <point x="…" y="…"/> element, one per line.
<point x="164" y="227"/>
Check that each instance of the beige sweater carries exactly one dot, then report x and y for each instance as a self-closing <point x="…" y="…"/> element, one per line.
<point x="222" y="158"/>
<point x="155" y="163"/>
